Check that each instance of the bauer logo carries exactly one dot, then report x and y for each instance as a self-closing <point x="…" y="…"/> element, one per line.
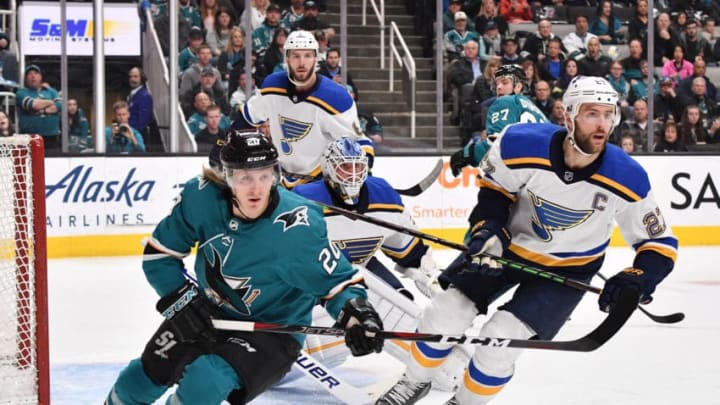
<point x="83" y="185"/>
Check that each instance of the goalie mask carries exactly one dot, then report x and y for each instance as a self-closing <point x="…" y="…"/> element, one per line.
<point x="588" y="90"/>
<point x="247" y="150"/>
<point x="345" y="168"/>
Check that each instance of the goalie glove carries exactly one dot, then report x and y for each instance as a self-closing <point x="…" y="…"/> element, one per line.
<point x="188" y="314"/>
<point x="425" y="276"/>
<point x="360" y="321"/>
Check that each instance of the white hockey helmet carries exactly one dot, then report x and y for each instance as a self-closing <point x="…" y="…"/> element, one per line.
<point x="589" y="90"/>
<point x="300" y="40"/>
<point x="345" y="168"/>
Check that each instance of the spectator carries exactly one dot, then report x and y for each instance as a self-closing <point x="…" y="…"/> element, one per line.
<point x="665" y="39"/>
<point x="489" y="12"/>
<point x="708" y="31"/>
<point x="691" y="128"/>
<point x="294" y="13"/>
<point x="462" y="71"/>
<point x="510" y="55"/>
<point x="492" y="41"/>
<point x="191" y="76"/>
<point x="708" y="108"/>
<point x="120" y="137"/>
<point x="516" y="11"/>
<point x="310" y="21"/>
<point x="8" y="61"/>
<point x="6" y="126"/>
<point x="713" y="133"/>
<point x="196" y="122"/>
<point x="38" y="108"/>
<point x="533" y="76"/>
<point x="576" y="42"/>
<point x="190" y="13"/>
<point x="606" y="26"/>
<point x="233" y="55"/>
<point x="557" y="116"/>
<point x="627" y="143"/>
<point x="258" y="13"/>
<point x="80" y="139"/>
<point x="455" y="39"/>
<point x="570" y="70"/>
<point x="331" y="68"/>
<point x="219" y="37"/>
<point x="551" y="66"/>
<point x="471" y="109"/>
<point x="238" y="97"/>
<point x="635" y="126"/>
<point x="699" y="69"/>
<point x="670" y="142"/>
<point x="208" y="9"/>
<point x="638" y="26"/>
<point x="323" y="46"/>
<point x="274" y="58"/>
<point x="542" y="98"/>
<point x="263" y="35"/>
<point x="449" y="15"/>
<point x="189" y="55"/>
<point x="619" y="83"/>
<point x="207" y="84"/>
<point x="638" y="88"/>
<point x="140" y="105"/>
<point x="631" y="64"/>
<point x="668" y="105"/>
<point x="595" y="63"/>
<point x="679" y="21"/>
<point x="678" y="68"/>
<point x="209" y="136"/>
<point x="536" y="45"/>
<point x="695" y="45"/>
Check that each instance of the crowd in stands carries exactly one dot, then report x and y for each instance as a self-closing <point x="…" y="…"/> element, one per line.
<point x="482" y="34"/>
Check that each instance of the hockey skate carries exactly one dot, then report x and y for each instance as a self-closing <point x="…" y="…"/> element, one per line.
<point x="452" y="401"/>
<point x="404" y="392"/>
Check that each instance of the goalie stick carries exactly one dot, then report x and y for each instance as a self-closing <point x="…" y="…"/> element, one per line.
<point x="669" y="318"/>
<point x="305" y="363"/>
<point x="617" y="317"/>
<point x="425" y="183"/>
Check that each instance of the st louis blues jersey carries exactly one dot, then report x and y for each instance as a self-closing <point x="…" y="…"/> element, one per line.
<point x="302" y="124"/>
<point x="563" y="218"/>
<point x="511" y="109"/>
<point x="279" y="265"/>
<point x="358" y="240"/>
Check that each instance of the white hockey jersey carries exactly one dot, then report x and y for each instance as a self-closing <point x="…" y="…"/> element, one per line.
<point x="303" y="124"/>
<point x="563" y="218"/>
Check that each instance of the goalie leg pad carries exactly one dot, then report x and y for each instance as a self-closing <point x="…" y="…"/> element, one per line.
<point x="492" y="368"/>
<point x="450" y="312"/>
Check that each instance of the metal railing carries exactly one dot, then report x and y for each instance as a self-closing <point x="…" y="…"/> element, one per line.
<point x="380" y="14"/>
<point x="407" y="63"/>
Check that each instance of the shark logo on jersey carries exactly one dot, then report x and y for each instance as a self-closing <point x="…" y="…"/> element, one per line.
<point x="292" y="131"/>
<point x="359" y="250"/>
<point x="548" y="216"/>
<point x="234" y="293"/>
<point x="298" y="216"/>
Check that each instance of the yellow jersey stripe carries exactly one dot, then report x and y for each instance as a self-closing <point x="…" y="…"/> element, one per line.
<point x="492" y="186"/>
<point x="617" y="186"/>
<point x="552" y="261"/>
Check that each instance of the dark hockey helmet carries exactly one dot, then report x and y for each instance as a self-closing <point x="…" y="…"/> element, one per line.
<point x="515" y="71"/>
<point x="247" y="150"/>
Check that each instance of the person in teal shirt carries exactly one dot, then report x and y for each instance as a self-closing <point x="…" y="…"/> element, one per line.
<point x="39" y="109"/>
<point x="120" y="137"/>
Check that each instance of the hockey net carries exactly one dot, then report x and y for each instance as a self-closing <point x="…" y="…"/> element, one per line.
<point x="24" y="363"/>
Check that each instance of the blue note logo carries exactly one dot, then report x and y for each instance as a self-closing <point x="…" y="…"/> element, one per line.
<point x="548" y="216"/>
<point x="292" y="131"/>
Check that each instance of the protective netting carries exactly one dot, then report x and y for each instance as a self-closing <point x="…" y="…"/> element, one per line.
<point x="18" y="320"/>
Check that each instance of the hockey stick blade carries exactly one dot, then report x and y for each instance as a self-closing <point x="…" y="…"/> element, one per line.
<point x="623" y="309"/>
<point x="425" y="183"/>
<point x="330" y="380"/>
<point x="669" y="318"/>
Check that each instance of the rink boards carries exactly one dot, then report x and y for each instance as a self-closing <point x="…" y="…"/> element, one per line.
<point x="105" y="206"/>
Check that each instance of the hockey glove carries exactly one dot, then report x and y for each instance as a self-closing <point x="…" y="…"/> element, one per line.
<point x="631" y="278"/>
<point x="487" y="241"/>
<point x="360" y="321"/>
<point x="471" y="154"/>
<point x="188" y="314"/>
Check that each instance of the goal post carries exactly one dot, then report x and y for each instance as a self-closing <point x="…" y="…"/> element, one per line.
<point x="24" y="354"/>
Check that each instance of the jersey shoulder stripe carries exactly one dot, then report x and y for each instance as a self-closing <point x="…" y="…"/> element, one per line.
<point x="622" y="175"/>
<point x="277" y="81"/>
<point x="331" y="97"/>
<point x="380" y="192"/>
<point x="314" y="191"/>
<point x="527" y="145"/>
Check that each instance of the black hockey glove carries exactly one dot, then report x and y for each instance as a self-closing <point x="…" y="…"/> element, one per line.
<point x="360" y="320"/>
<point x="462" y="158"/>
<point x="483" y="241"/>
<point x="631" y="278"/>
<point x="188" y="314"/>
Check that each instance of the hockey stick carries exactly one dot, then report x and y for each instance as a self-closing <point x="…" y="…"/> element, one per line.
<point x="457" y="246"/>
<point x="669" y="318"/>
<point x="617" y="317"/>
<point x="305" y="363"/>
<point x="425" y="183"/>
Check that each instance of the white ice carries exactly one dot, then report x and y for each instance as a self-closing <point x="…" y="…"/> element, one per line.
<point x="102" y="313"/>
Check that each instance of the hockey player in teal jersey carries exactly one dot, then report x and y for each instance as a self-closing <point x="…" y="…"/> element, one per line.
<point x="509" y="107"/>
<point x="549" y="199"/>
<point x="263" y="255"/>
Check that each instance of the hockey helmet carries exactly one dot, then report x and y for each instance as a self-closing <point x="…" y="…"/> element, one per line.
<point x="345" y="168"/>
<point x="585" y="90"/>
<point x="246" y="150"/>
<point x="515" y="71"/>
<point x="300" y="40"/>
